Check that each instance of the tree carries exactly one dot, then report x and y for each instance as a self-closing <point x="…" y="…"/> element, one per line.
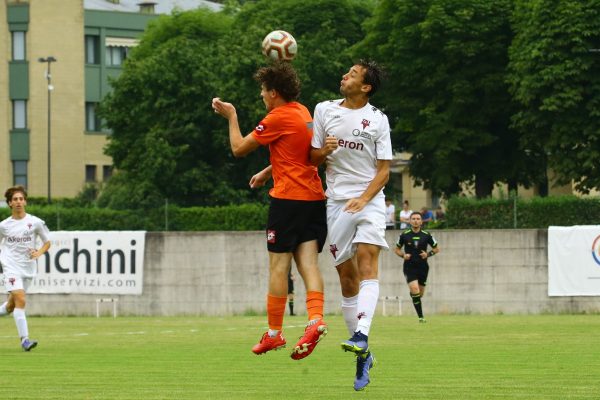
<point x="166" y="141"/>
<point x="556" y="80"/>
<point x="446" y="94"/>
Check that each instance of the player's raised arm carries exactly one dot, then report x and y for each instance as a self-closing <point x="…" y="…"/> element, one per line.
<point x="240" y="145"/>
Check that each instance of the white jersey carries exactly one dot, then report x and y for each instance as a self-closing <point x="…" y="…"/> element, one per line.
<point x="363" y="138"/>
<point x="19" y="238"/>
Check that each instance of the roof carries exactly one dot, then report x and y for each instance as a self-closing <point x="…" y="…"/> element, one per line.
<point x="161" y="7"/>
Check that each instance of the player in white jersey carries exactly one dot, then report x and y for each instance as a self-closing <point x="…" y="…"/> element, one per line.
<point x="18" y="235"/>
<point x="353" y="138"/>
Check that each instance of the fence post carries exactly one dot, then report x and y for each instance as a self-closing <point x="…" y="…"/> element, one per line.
<point x="166" y="215"/>
<point x="514" y="211"/>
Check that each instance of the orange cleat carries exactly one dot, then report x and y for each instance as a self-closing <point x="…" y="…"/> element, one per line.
<point x="268" y="343"/>
<point x="307" y="343"/>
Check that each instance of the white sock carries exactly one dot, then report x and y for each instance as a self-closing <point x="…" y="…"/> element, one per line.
<point x="349" y="312"/>
<point x="3" y="309"/>
<point x="21" y="321"/>
<point x="273" y="332"/>
<point x="367" y="301"/>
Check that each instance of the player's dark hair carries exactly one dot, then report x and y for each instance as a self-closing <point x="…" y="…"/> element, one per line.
<point x="10" y="192"/>
<point x="373" y="76"/>
<point x="416" y="213"/>
<point x="281" y="77"/>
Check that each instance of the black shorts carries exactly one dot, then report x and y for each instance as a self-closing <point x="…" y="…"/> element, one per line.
<point x="292" y="222"/>
<point x="416" y="272"/>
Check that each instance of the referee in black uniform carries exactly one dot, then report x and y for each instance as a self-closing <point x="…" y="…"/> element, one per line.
<point x="412" y="247"/>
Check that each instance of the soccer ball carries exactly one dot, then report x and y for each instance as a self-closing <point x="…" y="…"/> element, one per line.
<point x="279" y="45"/>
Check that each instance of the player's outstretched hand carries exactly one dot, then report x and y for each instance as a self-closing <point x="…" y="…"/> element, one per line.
<point x="222" y="108"/>
<point x="261" y="178"/>
<point x="258" y="180"/>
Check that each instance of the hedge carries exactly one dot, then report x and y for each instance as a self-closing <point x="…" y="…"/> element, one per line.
<point x="461" y="213"/>
<point x="538" y="212"/>
<point x="228" y="218"/>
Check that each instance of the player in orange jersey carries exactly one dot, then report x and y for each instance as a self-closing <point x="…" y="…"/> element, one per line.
<point x="297" y="225"/>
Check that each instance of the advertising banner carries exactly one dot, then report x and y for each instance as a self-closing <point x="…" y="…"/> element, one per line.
<point x="98" y="262"/>
<point x="574" y="260"/>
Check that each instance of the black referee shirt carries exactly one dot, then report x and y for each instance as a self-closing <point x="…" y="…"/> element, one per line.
<point x="414" y="243"/>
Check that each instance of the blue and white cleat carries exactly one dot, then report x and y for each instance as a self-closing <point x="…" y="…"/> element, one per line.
<point x="364" y="362"/>
<point x="28" y="344"/>
<point x="357" y="344"/>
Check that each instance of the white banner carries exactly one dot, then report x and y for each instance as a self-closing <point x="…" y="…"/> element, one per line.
<point x="574" y="260"/>
<point x="97" y="262"/>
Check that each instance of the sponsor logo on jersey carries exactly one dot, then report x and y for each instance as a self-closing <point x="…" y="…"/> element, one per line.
<point x="359" y="133"/>
<point x="348" y="144"/>
<point x="333" y="249"/>
<point x="270" y="236"/>
<point x="14" y="239"/>
<point x="260" y="128"/>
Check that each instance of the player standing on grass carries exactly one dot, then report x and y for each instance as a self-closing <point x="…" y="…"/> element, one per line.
<point x="415" y="255"/>
<point x="20" y="232"/>
<point x="297" y="225"/>
<point x="353" y="138"/>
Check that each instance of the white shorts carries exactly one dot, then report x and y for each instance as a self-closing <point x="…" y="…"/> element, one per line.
<point x="12" y="282"/>
<point x="346" y="230"/>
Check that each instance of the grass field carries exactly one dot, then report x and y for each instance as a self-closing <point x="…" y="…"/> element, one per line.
<point x="450" y="357"/>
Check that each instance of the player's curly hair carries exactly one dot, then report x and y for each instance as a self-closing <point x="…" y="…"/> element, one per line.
<point x="10" y="192"/>
<point x="281" y="77"/>
<point x="373" y="76"/>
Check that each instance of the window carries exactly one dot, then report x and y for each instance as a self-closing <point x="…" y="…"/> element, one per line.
<point x="90" y="173"/>
<point x="92" y="122"/>
<point x="20" y="173"/>
<point x="116" y="55"/>
<point x="18" y="45"/>
<point x="19" y="114"/>
<point x="92" y="49"/>
<point x="106" y="172"/>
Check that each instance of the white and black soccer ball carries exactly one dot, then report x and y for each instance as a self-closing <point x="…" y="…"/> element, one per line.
<point x="280" y="45"/>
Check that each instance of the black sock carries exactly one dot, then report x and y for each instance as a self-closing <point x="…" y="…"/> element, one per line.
<point x="416" y="298"/>
<point x="291" y="304"/>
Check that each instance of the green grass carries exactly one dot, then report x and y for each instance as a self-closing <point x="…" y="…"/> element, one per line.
<point x="450" y="357"/>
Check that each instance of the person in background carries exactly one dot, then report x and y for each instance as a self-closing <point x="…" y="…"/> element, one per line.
<point x="427" y="216"/>
<point x="405" y="215"/>
<point x="390" y="215"/>
<point x="291" y="291"/>
<point x="439" y="214"/>
<point x="412" y="247"/>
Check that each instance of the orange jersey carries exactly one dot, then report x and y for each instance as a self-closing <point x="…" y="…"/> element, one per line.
<point x="287" y="130"/>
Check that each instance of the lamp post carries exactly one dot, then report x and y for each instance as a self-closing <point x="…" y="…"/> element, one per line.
<point x="49" y="60"/>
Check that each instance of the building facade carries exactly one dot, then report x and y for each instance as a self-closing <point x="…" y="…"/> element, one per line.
<point x="52" y="140"/>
